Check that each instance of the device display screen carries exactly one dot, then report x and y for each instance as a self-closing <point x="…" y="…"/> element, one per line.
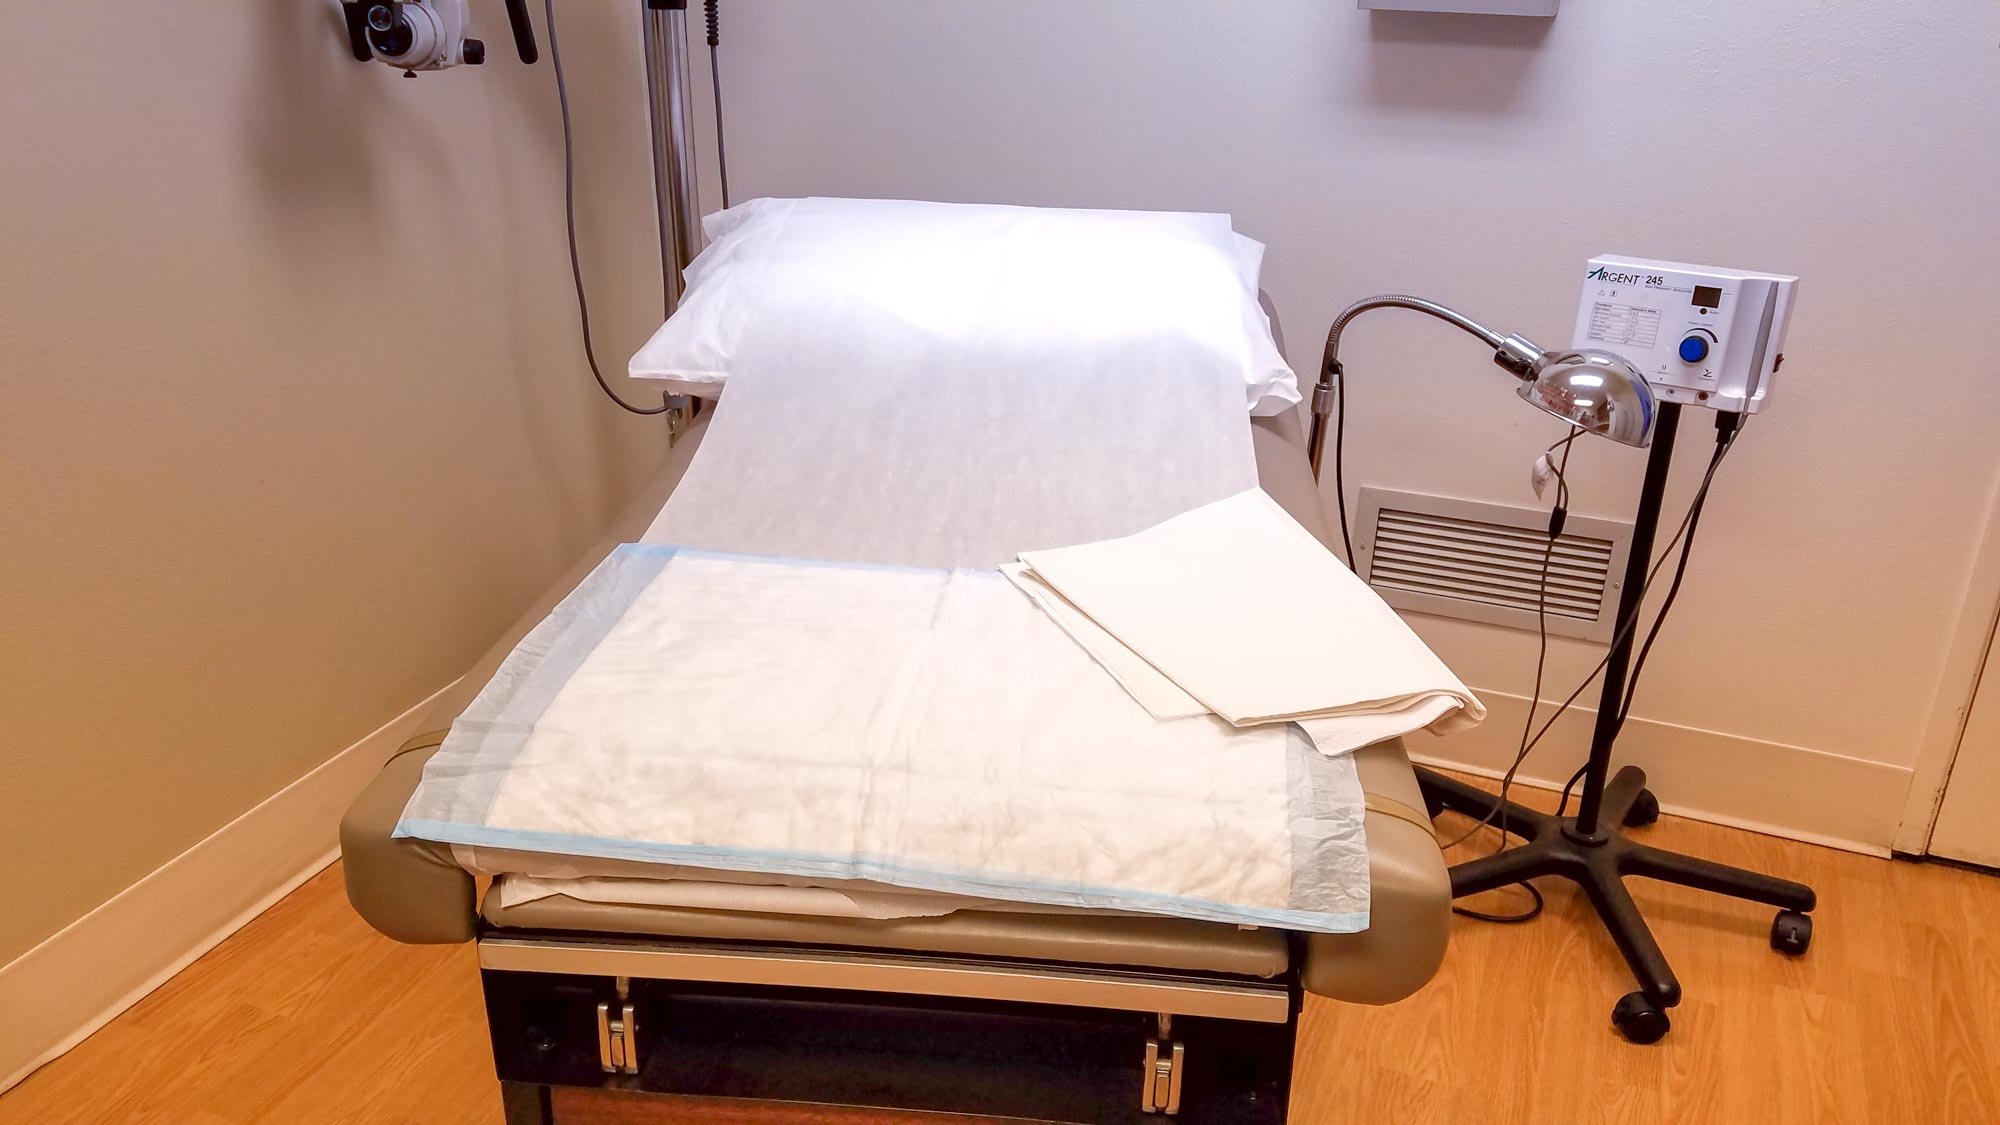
<point x="1707" y="296"/>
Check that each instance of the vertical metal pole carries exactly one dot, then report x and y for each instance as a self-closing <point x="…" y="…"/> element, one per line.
<point x="1659" y="461"/>
<point x="670" y="98"/>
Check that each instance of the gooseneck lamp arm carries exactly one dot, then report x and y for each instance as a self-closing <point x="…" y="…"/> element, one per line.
<point x="1590" y="389"/>
<point x="1513" y="353"/>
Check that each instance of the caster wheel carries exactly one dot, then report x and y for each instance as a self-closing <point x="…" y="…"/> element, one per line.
<point x="1644" y="811"/>
<point x="1791" y="933"/>
<point x="1639" y="1020"/>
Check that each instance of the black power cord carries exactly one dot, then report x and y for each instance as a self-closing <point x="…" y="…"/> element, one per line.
<point x="1338" y="374"/>
<point x="1726" y="425"/>
<point x="1562" y="807"/>
<point x="1557" y="516"/>
<point x="1726" y="443"/>
<point x="569" y="218"/>
<point x="1530" y="914"/>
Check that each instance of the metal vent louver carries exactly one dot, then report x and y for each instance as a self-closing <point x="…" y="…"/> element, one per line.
<point x="1483" y="562"/>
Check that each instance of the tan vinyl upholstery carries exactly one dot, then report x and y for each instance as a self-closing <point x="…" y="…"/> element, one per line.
<point x="1157" y="943"/>
<point x="414" y="892"/>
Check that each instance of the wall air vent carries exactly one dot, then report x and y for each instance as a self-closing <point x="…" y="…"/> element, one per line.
<point x="1483" y="562"/>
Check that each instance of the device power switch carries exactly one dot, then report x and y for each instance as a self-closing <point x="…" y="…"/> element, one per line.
<point x="1694" y="349"/>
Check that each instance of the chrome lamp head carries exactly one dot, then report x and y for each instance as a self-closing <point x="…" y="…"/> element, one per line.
<point x="1594" y="390"/>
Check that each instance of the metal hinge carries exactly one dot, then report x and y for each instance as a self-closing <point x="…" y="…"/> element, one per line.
<point x="618" y="1034"/>
<point x="1165" y="1064"/>
<point x="680" y="413"/>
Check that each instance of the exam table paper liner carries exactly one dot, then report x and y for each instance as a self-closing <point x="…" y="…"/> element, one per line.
<point x="921" y="451"/>
<point x="925" y="729"/>
<point x="917" y="451"/>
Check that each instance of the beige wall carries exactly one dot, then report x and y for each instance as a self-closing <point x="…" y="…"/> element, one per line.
<point x="292" y="418"/>
<point x="292" y="415"/>
<point x="1481" y="161"/>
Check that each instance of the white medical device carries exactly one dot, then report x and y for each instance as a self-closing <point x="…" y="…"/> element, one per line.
<point x="1702" y="336"/>
<point x="414" y="35"/>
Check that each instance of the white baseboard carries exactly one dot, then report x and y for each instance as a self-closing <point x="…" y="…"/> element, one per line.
<point x="1768" y="787"/>
<point x="56" y="994"/>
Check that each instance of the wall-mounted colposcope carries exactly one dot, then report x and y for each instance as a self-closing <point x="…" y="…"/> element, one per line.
<point x="414" y="35"/>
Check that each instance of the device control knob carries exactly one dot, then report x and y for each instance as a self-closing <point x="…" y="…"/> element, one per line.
<point x="1694" y="349"/>
<point x="473" y="52"/>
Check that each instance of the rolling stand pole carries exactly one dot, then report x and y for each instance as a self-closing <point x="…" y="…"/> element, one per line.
<point x="1590" y="849"/>
<point x="1645" y="528"/>
<point x="670" y="112"/>
<point x="670" y="106"/>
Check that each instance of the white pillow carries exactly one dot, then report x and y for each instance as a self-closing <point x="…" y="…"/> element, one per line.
<point x="971" y="272"/>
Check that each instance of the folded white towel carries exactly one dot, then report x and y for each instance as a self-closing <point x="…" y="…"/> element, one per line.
<point x="1236" y="609"/>
<point x="1145" y="683"/>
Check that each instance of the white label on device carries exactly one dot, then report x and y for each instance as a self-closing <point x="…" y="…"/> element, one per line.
<point x="1634" y="326"/>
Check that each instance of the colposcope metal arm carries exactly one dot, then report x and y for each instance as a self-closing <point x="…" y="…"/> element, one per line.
<point x="670" y="105"/>
<point x="523" y="29"/>
<point x="1516" y="354"/>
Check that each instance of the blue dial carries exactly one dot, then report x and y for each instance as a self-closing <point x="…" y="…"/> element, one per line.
<point x="1694" y="349"/>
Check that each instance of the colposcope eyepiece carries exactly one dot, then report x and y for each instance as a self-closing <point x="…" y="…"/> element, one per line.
<point x="393" y="41"/>
<point x="426" y="35"/>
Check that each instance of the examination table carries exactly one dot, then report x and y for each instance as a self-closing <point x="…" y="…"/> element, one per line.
<point x="1050" y="1016"/>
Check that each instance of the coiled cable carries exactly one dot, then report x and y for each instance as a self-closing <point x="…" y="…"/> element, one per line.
<point x="569" y="218"/>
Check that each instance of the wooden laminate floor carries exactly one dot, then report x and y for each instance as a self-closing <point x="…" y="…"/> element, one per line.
<point x="307" y="1015"/>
